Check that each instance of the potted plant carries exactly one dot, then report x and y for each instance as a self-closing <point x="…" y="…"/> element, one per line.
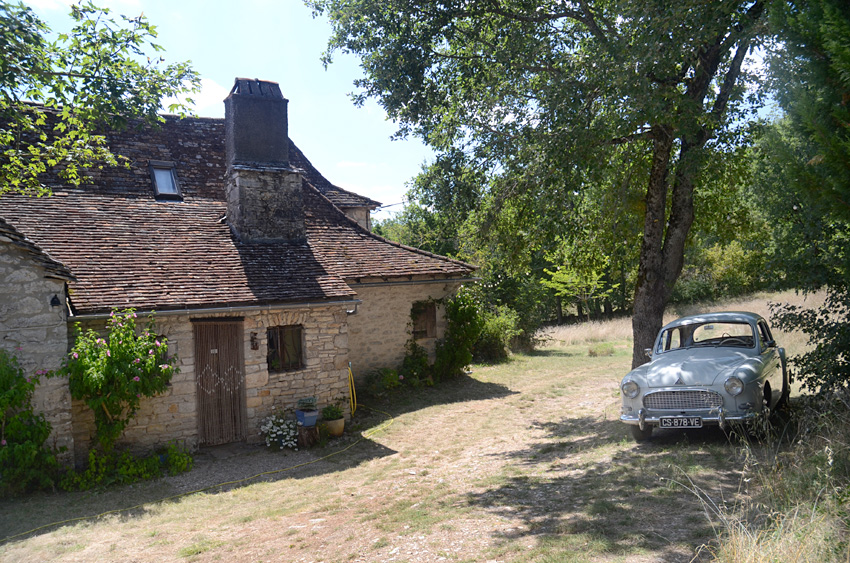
<point x="279" y="431"/>
<point x="333" y="417"/>
<point x="307" y="412"/>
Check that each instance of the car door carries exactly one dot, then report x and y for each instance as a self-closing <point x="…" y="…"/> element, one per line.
<point x="771" y="361"/>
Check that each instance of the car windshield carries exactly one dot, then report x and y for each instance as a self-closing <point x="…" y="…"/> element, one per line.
<point x="725" y="333"/>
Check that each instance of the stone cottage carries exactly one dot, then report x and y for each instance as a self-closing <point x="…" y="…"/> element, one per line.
<point x="264" y="276"/>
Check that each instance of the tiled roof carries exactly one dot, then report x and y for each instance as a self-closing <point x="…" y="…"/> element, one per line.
<point x="127" y="249"/>
<point x="10" y="235"/>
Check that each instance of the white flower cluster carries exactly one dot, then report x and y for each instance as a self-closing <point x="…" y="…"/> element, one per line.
<point x="280" y="431"/>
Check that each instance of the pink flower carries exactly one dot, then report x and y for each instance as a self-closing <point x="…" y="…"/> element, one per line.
<point x="138" y="395"/>
<point x="401" y="378"/>
<point x="2" y="442"/>
<point x="75" y="355"/>
<point x="156" y="342"/>
<point x="137" y="360"/>
<point x="150" y="352"/>
<point x="136" y="378"/>
<point x="108" y="353"/>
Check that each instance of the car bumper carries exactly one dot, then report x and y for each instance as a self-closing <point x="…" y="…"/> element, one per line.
<point x="716" y="418"/>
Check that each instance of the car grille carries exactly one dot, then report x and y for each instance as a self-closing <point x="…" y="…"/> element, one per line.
<point x="682" y="400"/>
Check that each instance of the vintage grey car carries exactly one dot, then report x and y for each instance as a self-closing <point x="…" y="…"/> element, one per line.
<point x="711" y="369"/>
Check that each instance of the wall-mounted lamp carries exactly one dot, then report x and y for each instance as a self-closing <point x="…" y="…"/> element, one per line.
<point x="353" y="311"/>
<point x="255" y="342"/>
<point x="54" y="301"/>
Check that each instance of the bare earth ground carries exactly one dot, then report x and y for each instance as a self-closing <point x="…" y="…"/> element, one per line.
<point x="524" y="461"/>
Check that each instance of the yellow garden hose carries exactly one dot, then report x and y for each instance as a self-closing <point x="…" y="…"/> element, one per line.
<point x="352" y="398"/>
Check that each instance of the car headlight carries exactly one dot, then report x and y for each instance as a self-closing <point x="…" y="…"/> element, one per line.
<point x="734" y="386"/>
<point x="630" y="389"/>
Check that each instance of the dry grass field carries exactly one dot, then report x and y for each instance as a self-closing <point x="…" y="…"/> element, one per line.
<point x="522" y="461"/>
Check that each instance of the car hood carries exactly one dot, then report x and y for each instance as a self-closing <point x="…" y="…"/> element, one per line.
<point x="694" y="366"/>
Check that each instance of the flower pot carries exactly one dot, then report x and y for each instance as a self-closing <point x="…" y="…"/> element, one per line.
<point x="307" y="418"/>
<point x="335" y="427"/>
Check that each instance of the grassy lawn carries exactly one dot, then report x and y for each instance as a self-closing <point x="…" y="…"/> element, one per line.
<point x="523" y="461"/>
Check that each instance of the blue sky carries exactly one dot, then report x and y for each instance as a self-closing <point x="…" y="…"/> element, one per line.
<point x="279" y="40"/>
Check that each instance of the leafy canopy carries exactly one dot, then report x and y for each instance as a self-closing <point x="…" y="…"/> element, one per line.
<point x="58" y="91"/>
<point x="542" y="96"/>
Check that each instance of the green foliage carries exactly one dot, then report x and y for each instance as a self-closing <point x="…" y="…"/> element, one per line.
<point x="177" y="459"/>
<point x="112" y="467"/>
<point x="464" y="323"/>
<point x="415" y="368"/>
<point x="55" y="95"/>
<point x="825" y="368"/>
<point x="25" y="463"/>
<point x="112" y="374"/>
<point x="307" y="403"/>
<point x="379" y="381"/>
<point x="500" y="328"/>
<point x="332" y="412"/>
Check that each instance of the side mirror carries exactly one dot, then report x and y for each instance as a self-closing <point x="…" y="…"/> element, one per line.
<point x="770" y="343"/>
<point x="648" y="352"/>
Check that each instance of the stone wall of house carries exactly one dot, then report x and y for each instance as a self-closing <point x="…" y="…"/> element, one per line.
<point x="360" y="214"/>
<point x="381" y="326"/>
<point x="36" y="333"/>
<point x="173" y="415"/>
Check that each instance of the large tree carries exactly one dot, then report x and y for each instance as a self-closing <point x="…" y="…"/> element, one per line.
<point x="804" y="176"/>
<point x="59" y="91"/>
<point x="542" y="92"/>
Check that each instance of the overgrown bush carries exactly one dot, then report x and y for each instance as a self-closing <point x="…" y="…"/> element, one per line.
<point x="826" y="366"/>
<point x="25" y="462"/>
<point x="112" y="374"/>
<point x="415" y="369"/>
<point x="499" y="328"/>
<point x="113" y="467"/>
<point x="464" y="323"/>
<point x="379" y="381"/>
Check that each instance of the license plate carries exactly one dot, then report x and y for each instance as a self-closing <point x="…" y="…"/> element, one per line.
<point x="680" y="422"/>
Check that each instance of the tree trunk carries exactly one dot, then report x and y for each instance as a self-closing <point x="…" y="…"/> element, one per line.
<point x="663" y="250"/>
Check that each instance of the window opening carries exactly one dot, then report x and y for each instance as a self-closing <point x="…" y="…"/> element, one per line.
<point x="285" y="348"/>
<point x="424" y="320"/>
<point x="164" y="179"/>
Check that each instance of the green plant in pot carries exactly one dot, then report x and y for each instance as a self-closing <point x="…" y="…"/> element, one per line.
<point x="307" y="412"/>
<point x="332" y="415"/>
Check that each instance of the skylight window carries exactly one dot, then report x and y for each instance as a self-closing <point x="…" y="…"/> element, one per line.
<point x="164" y="179"/>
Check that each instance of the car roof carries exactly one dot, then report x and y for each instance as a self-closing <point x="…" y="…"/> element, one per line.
<point x="722" y="316"/>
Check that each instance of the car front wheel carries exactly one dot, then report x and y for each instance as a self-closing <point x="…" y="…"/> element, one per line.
<point x="641" y="435"/>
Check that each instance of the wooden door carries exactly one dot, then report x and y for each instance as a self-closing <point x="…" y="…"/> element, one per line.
<point x="220" y="378"/>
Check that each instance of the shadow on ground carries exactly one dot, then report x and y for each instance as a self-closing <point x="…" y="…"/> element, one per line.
<point x="217" y="469"/>
<point x="457" y="390"/>
<point x="589" y="483"/>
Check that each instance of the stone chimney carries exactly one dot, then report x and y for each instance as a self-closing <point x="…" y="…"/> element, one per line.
<point x="265" y="202"/>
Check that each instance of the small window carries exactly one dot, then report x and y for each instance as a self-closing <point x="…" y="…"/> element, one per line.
<point x="424" y="320"/>
<point x="285" y="348"/>
<point x="164" y="179"/>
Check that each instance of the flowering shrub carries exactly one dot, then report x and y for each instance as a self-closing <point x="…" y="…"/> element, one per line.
<point x="280" y="431"/>
<point x="24" y="461"/>
<point x="112" y="374"/>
